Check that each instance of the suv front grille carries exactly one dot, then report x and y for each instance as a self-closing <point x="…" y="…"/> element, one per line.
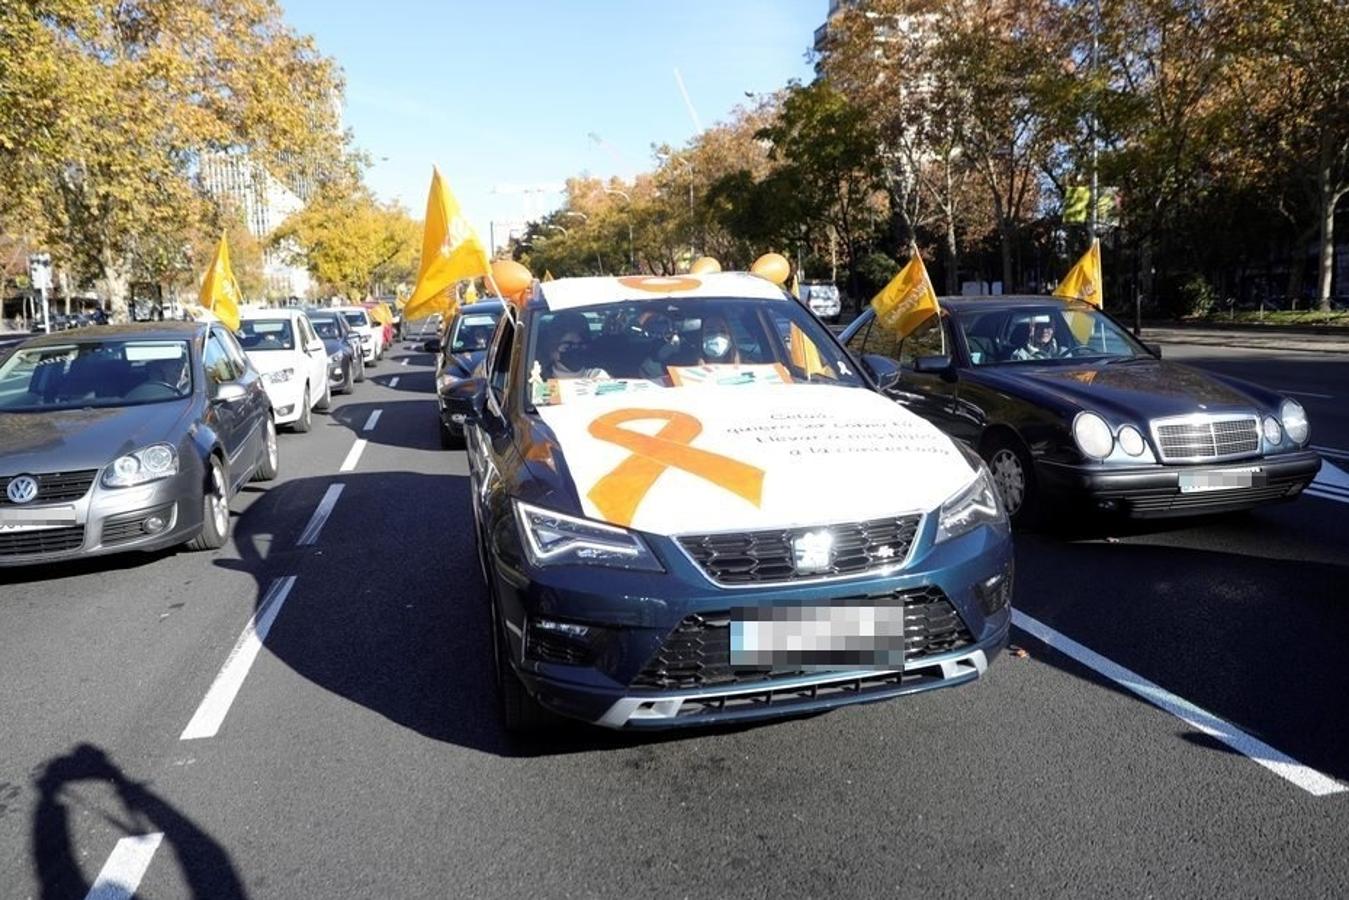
<point x="757" y="557"/>
<point x="698" y="652"/>
<point x="53" y="487"/>
<point x="1218" y="437"/>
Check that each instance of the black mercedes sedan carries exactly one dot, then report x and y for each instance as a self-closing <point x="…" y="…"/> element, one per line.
<point x="131" y="437"/>
<point x="457" y="356"/>
<point x="1069" y="409"/>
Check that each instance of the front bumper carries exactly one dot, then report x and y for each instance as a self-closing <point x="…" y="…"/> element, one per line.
<point x="1153" y="491"/>
<point x="633" y="618"/>
<point x="287" y="399"/>
<point x="113" y="520"/>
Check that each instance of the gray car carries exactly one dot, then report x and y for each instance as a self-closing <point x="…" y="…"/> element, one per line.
<point x="131" y="437"/>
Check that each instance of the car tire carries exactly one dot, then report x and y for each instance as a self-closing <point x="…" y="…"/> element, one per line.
<point x="1014" y="477"/>
<point x="327" y="402"/>
<point x="215" y="510"/>
<point x="360" y="370"/>
<point x="306" y="420"/>
<point x="521" y="714"/>
<point x="270" y="464"/>
<point x="348" y="380"/>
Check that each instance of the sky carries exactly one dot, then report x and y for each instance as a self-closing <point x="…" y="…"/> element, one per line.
<point x="506" y="95"/>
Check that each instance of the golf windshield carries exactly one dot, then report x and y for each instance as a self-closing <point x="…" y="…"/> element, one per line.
<point x="1043" y="334"/>
<point x="266" y="334"/>
<point x="94" y="374"/>
<point x="696" y="343"/>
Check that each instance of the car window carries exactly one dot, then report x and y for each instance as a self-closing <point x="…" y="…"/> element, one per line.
<point x="1040" y="334"/>
<point x="928" y="339"/>
<point x="266" y="334"/>
<point x="216" y="359"/>
<point x="235" y="353"/>
<point x="499" y="374"/>
<point x="356" y="318"/>
<point x="473" y="331"/>
<point x="327" y="328"/>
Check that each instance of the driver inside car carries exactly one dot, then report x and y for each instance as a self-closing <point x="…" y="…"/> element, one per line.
<point x="568" y="351"/>
<point x="1041" y="342"/>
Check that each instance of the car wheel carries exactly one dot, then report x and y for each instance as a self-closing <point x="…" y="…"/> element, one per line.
<point x="348" y="379"/>
<point x="360" y="369"/>
<point x="1014" y="477"/>
<point x="326" y="403"/>
<point x="521" y="714"/>
<point x="215" y="511"/>
<point x="271" y="460"/>
<point x="306" y="420"/>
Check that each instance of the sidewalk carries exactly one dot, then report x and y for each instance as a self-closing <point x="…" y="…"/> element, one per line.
<point x="1254" y="339"/>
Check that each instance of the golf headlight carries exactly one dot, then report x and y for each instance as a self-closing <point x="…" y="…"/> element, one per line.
<point x="554" y="539"/>
<point x="148" y="464"/>
<point x="280" y="376"/>
<point x="1294" y="419"/>
<point x="974" y="505"/>
<point x="1131" y="441"/>
<point x="1092" y="435"/>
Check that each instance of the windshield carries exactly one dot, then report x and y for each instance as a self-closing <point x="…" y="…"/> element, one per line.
<point x="266" y="334"/>
<point x="696" y="343"/>
<point x="95" y="373"/>
<point x="473" y="331"/>
<point x="1039" y="334"/>
<point x="356" y="319"/>
<point x="328" y="329"/>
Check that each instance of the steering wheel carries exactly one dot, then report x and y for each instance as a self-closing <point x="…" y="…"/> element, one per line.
<point x="1081" y="350"/>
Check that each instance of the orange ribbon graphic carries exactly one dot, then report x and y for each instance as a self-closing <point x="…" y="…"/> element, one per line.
<point x="618" y="494"/>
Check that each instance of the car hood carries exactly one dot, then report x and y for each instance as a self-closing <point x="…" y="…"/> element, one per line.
<point x="64" y="440"/>
<point x="461" y="365"/>
<point x="689" y="460"/>
<point x="1147" y="388"/>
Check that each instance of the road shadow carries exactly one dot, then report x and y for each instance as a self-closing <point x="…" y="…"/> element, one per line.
<point x="86" y="565"/>
<point x="206" y="868"/>
<point x="412" y="381"/>
<point x="411" y="424"/>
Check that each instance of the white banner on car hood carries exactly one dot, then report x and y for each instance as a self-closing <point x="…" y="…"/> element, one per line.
<point x="680" y="461"/>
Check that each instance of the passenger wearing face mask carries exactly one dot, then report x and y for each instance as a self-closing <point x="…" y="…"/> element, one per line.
<point x="567" y="351"/>
<point x="663" y="344"/>
<point x="718" y="346"/>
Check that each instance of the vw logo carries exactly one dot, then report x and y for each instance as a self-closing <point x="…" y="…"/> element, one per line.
<point x="22" y="489"/>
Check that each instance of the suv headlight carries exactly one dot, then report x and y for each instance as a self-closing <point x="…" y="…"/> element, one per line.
<point x="1092" y="435"/>
<point x="280" y="376"/>
<point x="554" y="539"/>
<point x="147" y="464"/>
<point x="335" y="357"/>
<point x="973" y="505"/>
<point x="1294" y="419"/>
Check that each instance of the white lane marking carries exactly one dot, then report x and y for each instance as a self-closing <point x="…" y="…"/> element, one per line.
<point x="353" y="456"/>
<point x="321" y="514"/>
<point x="1331" y="483"/>
<point x="121" y="875"/>
<point x="393" y="382"/>
<point x="209" y="716"/>
<point x="405" y="361"/>
<point x="370" y="422"/>
<point x="1307" y="394"/>
<point x="1310" y="780"/>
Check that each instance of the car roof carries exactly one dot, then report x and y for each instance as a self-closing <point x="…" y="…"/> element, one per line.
<point x="484" y="306"/>
<point x="570" y="293"/>
<point x="1013" y="301"/>
<point x="264" y="312"/>
<point x="163" y="331"/>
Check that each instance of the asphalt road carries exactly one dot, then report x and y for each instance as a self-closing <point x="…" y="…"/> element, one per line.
<point x="359" y="754"/>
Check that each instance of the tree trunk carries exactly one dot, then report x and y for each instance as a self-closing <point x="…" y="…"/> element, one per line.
<point x="1005" y="239"/>
<point x="117" y="282"/>
<point x="952" y="250"/>
<point x="1325" y="269"/>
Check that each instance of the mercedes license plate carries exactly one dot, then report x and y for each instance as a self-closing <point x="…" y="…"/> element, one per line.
<point x="37" y="518"/>
<point x="1221" y="479"/>
<point x="841" y="636"/>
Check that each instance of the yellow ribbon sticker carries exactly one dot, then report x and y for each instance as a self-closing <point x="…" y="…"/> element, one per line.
<point x="618" y="494"/>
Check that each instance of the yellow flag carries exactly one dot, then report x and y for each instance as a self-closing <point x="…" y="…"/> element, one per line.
<point x="471" y="295"/>
<point x="908" y="300"/>
<point x="219" y="291"/>
<point x="547" y="276"/>
<point x="796" y="288"/>
<point x="1083" y="281"/>
<point x="805" y="355"/>
<point x="451" y="251"/>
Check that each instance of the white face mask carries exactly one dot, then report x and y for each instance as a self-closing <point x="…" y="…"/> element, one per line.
<point x="716" y="345"/>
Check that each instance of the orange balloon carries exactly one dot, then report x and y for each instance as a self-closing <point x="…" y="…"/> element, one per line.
<point x="703" y="265"/>
<point x="511" y="278"/>
<point x="773" y="266"/>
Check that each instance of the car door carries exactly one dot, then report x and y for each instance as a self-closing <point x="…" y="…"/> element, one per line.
<point x="256" y="408"/>
<point x="492" y="438"/>
<point x="228" y="419"/>
<point x="315" y="355"/>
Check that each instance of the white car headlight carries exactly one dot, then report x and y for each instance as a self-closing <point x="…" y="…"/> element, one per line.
<point x="973" y="505"/>
<point x="335" y="358"/>
<point x="1131" y="441"/>
<point x="147" y="464"/>
<point x="1273" y="431"/>
<point x="554" y="539"/>
<point x="280" y="376"/>
<point x="1092" y="435"/>
<point x="1294" y="419"/>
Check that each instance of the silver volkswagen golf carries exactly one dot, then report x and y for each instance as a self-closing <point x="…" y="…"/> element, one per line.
<point x="131" y="437"/>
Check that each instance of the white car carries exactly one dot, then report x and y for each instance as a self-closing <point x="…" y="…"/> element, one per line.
<point x="293" y="361"/>
<point x="371" y="332"/>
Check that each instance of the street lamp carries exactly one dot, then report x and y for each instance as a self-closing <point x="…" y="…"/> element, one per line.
<point x="632" y="255"/>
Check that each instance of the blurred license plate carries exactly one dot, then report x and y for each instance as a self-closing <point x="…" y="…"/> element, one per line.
<point x="1221" y="480"/>
<point x="818" y="637"/>
<point x="36" y="519"/>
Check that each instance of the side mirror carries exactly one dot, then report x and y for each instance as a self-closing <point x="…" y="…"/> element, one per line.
<point x="935" y="365"/>
<point x="432" y="346"/>
<point x="1154" y="349"/>
<point x="229" y="392"/>
<point x="882" y="368"/>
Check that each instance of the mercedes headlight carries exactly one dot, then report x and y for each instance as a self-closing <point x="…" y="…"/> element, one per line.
<point x="1294" y="419"/>
<point x="1093" y="435"/>
<point x="280" y="376"/>
<point x="554" y="539"/>
<point x="148" y="464"/>
<point x="1273" y="431"/>
<point x="973" y="505"/>
<point x="1131" y="441"/>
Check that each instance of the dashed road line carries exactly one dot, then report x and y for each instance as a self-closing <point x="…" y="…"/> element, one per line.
<point x="1310" y="780"/>
<point x="405" y="360"/>
<point x="393" y="382"/>
<point x="121" y="875"/>
<point x="353" y="456"/>
<point x="216" y="704"/>
<point x="370" y="422"/>
<point x="321" y="514"/>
